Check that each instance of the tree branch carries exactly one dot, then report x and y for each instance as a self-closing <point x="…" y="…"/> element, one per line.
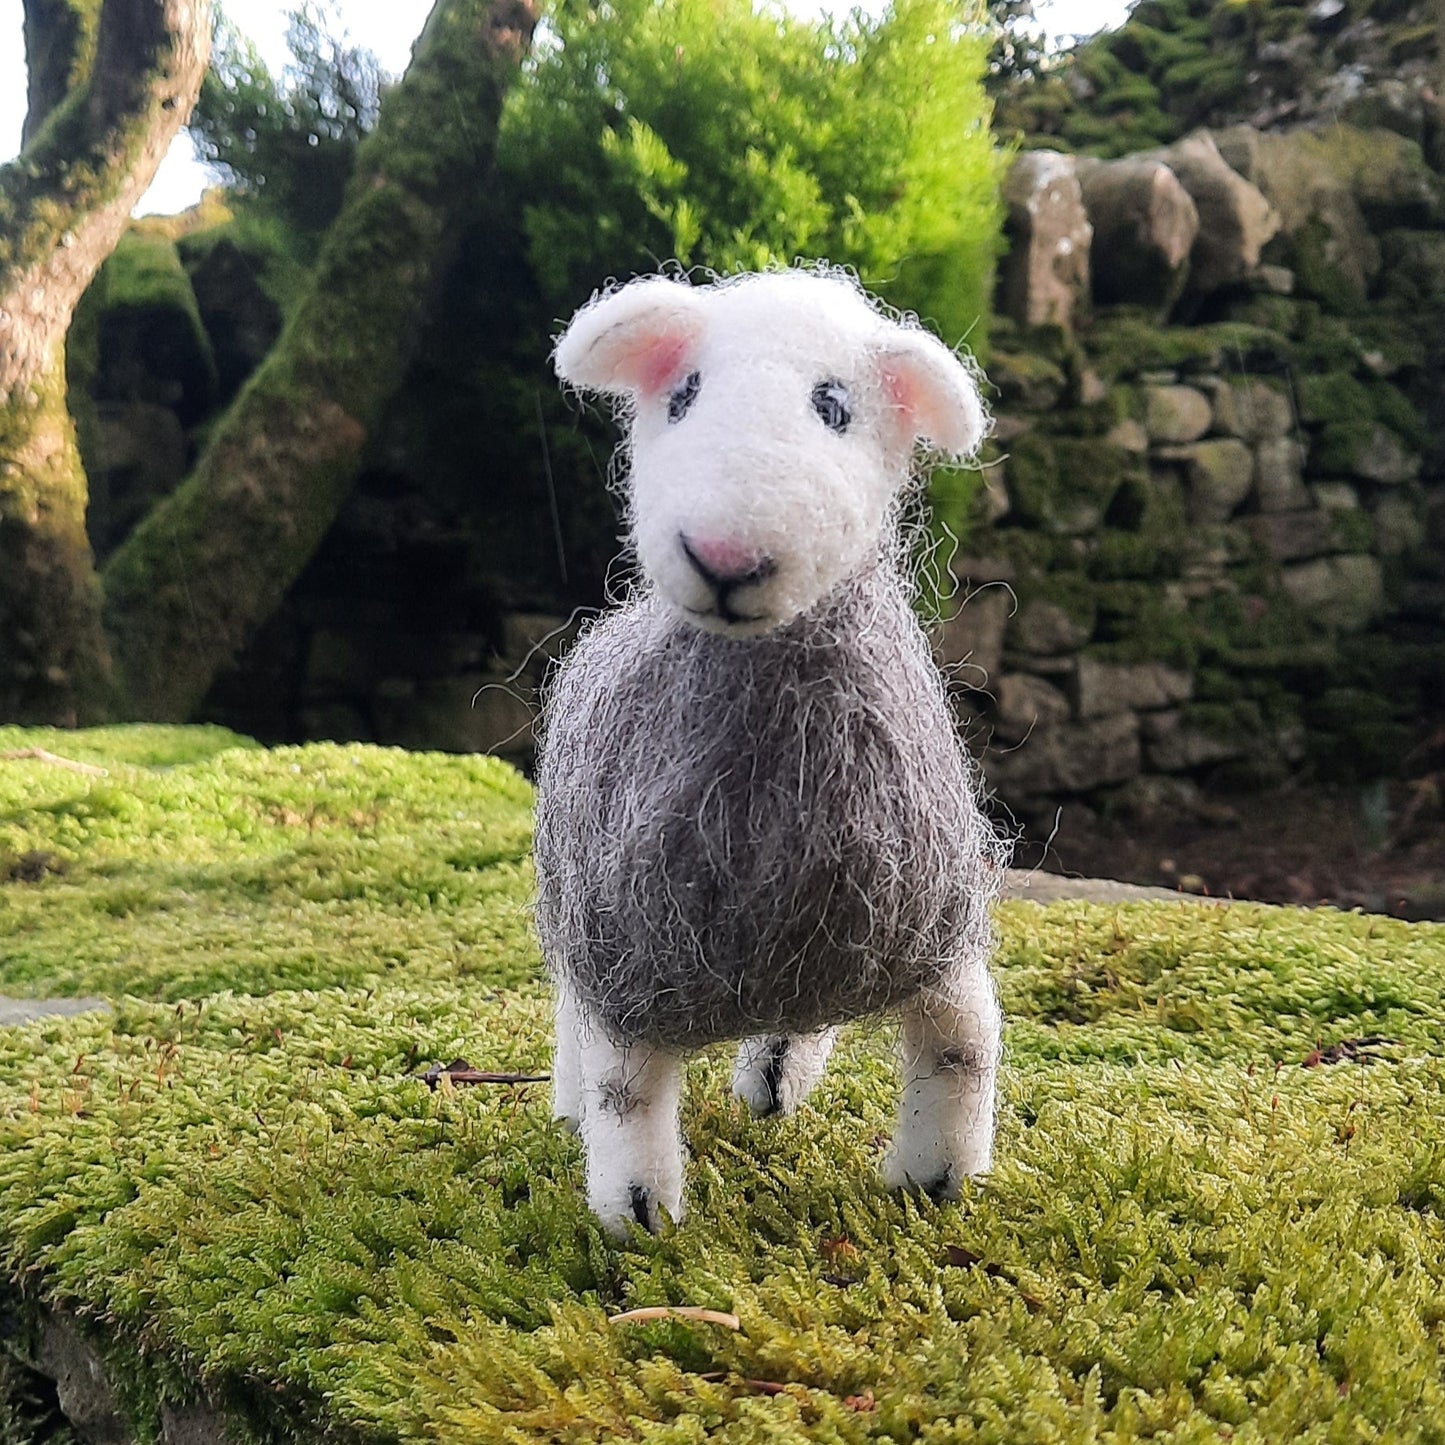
<point x="65" y="200"/>
<point x="132" y="76"/>
<point x="59" y="46"/>
<point x="192" y="583"/>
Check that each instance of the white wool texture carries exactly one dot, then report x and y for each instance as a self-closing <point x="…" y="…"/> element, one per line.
<point x="750" y="461"/>
<point x="754" y="812"/>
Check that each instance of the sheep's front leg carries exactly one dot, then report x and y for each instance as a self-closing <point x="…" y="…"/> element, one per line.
<point x="630" y="1095"/>
<point x="950" y="1054"/>
<point x="776" y="1072"/>
<point x="566" y="1059"/>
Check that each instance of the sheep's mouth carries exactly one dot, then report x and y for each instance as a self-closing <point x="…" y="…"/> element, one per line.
<point x="723" y="612"/>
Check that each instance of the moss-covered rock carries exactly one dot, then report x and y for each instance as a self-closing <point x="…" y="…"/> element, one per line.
<point x="1125" y="343"/>
<point x="254" y="1200"/>
<point x="1064" y="485"/>
<point x="151" y="344"/>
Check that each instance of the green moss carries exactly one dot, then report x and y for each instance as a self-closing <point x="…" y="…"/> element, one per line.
<point x="1125" y="342"/>
<point x="359" y="840"/>
<point x="1202" y="82"/>
<point x="1356" y="735"/>
<point x="1332" y="396"/>
<point x="1352" y="530"/>
<point x="271" y="249"/>
<point x="1064" y="484"/>
<point x="1072" y="591"/>
<point x="145" y="272"/>
<point x="1339" y="443"/>
<point x="1256" y="627"/>
<point x="1414" y="42"/>
<point x="1137" y="622"/>
<point x="1026" y="379"/>
<point x="1031" y="553"/>
<point x="1392" y="408"/>
<point x="1317" y="276"/>
<point x="1183" y="1234"/>
<point x="1387" y="174"/>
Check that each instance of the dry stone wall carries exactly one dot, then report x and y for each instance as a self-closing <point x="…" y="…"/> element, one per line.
<point x="1207" y="546"/>
<point x="1216" y="521"/>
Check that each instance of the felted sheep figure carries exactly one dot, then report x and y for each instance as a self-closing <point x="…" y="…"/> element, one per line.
<point x="755" y="819"/>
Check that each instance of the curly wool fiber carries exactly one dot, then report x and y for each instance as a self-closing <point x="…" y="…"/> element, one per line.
<point x="757" y="835"/>
<point x="754" y="816"/>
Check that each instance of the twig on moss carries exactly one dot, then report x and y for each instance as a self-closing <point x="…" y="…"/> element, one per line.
<point x="459" y="1071"/>
<point x="681" y="1312"/>
<point x="763" y="1387"/>
<point x="40" y="755"/>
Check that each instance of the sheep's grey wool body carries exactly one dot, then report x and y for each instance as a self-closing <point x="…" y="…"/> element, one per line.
<point x="758" y="835"/>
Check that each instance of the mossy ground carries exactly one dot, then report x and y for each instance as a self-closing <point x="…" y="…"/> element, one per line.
<point x="238" y="1178"/>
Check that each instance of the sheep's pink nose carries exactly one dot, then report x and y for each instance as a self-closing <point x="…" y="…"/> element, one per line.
<point x="721" y="561"/>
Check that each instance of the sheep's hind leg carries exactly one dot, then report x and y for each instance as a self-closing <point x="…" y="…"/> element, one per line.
<point x="950" y="1053"/>
<point x="630" y="1095"/>
<point x="776" y="1072"/>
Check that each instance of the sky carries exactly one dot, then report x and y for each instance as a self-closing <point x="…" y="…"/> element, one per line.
<point x="388" y="29"/>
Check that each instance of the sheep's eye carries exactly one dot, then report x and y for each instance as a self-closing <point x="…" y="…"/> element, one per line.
<point x="830" y="401"/>
<point x="683" y="395"/>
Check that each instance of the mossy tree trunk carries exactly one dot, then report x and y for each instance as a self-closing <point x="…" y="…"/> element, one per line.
<point x="195" y="580"/>
<point x="112" y="82"/>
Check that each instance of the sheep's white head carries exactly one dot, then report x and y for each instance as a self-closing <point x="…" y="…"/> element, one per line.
<point x="773" y="419"/>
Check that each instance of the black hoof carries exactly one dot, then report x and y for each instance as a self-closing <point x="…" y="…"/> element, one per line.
<point x="773" y="1078"/>
<point x="640" y="1202"/>
<point x="939" y="1189"/>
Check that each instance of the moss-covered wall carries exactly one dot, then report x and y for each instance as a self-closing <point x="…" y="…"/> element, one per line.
<point x="1220" y="513"/>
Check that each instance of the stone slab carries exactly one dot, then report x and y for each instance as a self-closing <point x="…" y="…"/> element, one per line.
<point x="1033" y="885"/>
<point x="26" y="1010"/>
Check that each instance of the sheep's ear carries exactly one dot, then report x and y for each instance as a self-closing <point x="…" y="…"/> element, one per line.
<point x="933" y="392"/>
<point x="637" y="339"/>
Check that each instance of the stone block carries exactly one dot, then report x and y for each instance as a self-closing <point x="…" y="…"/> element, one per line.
<point x="1235" y="219"/>
<point x="1292" y="536"/>
<point x="83" y="1389"/>
<point x="334" y="722"/>
<point x="137" y="457"/>
<point x="1025" y="704"/>
<point x="1253" y="411"/>
<point x="1279" y="484"/>
<point x="1102" y="688"/>
<point x="1173" y="746"/>
<point x="1317" y="210"/>
<point x="1145" y="225"/>
<point x="1219" y="474"/>
<point x="1045" y="275"/>
<point x="970" y="640"/>
<point x="1335" y="496"/>
<point x="1129" y="436"/>
<point x="1399" y="526"/>
<point x="469" y="713"/>
<point x="533" y="639"/>
<point x="1343" y="592"/>
<point x="1175" y="414"/>
<point x="1385" y="460"/>
<point x="1032" y="382"/>
<point x="1072" y="758"/>
<point x="1160" y="795"/>
<point x="350" y="660"/>
<point x="1047" y="629"/>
